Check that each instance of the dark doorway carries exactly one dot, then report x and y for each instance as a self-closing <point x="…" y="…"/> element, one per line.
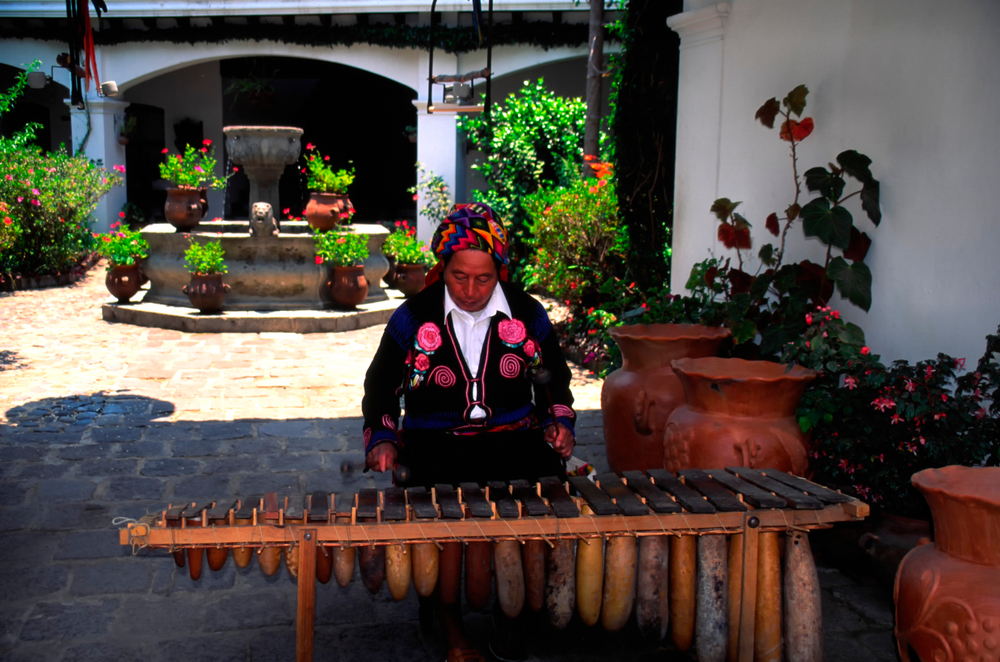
<point x="45" y="106"/>
<point x="355" y="117"/>
<point x="142" y="153"/>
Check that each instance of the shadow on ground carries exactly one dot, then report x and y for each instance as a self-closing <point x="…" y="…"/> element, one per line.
<point x="70" y="591"/>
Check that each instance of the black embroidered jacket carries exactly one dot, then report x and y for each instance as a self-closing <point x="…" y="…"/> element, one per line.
<point x="420" y="359"/>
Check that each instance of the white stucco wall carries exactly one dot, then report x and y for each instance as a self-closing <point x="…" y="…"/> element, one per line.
<point x="911" y="83"/>
<point x="192" y="92"/>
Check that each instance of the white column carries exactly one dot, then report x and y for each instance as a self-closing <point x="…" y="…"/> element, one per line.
<point x="699" y="115"/>
<point x="437" y="136"/>
<point x="95" y="132"/>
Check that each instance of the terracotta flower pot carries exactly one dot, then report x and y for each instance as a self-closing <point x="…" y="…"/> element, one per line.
<point x="184" y="209"/>
<point x="738" y="413"/>
<point x="123" y="281"/>
<point x="207" y="293"/>
<point x="948" y="594"/>
<point x="348" y="286"/>
<point x="637" y="399"/>
<point x="891" y="540"/>
<point x="409" y="278"/>
<point x="323" y="212"/>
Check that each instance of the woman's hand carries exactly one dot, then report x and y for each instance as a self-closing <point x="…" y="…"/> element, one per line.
<point x="560" y="438"/>
<point x="381" y="458"/>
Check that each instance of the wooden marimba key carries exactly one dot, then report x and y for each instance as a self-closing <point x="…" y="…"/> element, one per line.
<point x="695" y="556"/>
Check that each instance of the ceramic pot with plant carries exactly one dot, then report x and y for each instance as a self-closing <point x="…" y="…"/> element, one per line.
<point x="412" y="257"/>
<point x="345" y="253"/>
<point x="328" y="202"/>
<point x="637" y="399"/>
<point x="191" y="174"/>
<point x="205" y="261"/>
<point x="127" y="127"/>
<point x="946" y="593"/>
<point x="124" y="250"/>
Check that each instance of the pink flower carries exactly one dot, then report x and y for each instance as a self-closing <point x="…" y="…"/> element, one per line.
<point x="121" y="214"/>
<point x="836" y="314"/>
<point x="928" y="372"/>
<point x="342" y="240"/>
<point x="35" y="191"/>
<point x="7" y="221"/>
<point x="326" y="158"/>
<point x="979" y="414"/>
<point x="850" y="382"/>
<point x="164" y="150"/>
<point x="865" y="351"/>
<point x="529" y="348"/>
<point x="319" y="260"/>
<point x="896" y="418"/>
<point x="512" y="331"/>
<point x="9" y="177"/>
<point x="198" y="169"/>
<point x="20" y="199"/>
<point x="911" y="386"/>
<point x="422" y="362"/>
<point x="960" y="364"/>
<point x="428" y="337"/>
<point x="236" y="169"/>
<point x="286" y="210"/>
<point x="883" y="403"/>
<point x="118" y="168"/>
<point x="809" y="318"/>
<point x="939" y="416"/>
<point x="415" y="196"/>
<point x="206" y="142"/>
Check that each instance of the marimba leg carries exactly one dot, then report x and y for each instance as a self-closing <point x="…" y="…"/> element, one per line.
<point x="478" y="574"/>
<point x="711" y="628"/>
<point x="426" y="566"/>
<point x="767" y="629"/>
<point x="560" y="583"/>
<point x="803" y="611"/>
<point x="450" y="577"/>
<point x="305" y="613"/>
<point x="683" y="563"/>
<point x="398" y="573"/>
<point x="509" y="576"/>
<point x="652" y="587"/>
<point x="619" y="582"/>
<point x="589" y="578"/>
<point x="533" y="558"/>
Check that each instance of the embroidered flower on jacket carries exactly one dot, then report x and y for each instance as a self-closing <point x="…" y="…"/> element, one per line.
<point x="529" y="348"/>
<point x="422" y="363"/>
<point x="428" y="337"/>
<point x="512" y="332"/>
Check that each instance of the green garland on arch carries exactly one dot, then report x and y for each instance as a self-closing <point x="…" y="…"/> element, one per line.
<point x="449" y="39"/>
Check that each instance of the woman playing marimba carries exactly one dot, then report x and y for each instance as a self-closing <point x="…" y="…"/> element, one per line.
<point x="485" y="384"/>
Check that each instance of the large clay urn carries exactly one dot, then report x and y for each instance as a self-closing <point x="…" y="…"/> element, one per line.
<point x="206" y="292"/>
<point x="410" y="278"/>
<point x="184" y="209"/>
<point x="637" y="398"/>
<point x="738" y="413"/>
<point x="948" y="593"/>
<point x="348" y="286"/>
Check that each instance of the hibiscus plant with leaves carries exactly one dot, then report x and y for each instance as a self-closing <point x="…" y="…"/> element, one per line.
<point x="774" y="300"/>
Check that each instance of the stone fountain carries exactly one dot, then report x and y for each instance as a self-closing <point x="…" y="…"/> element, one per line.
<point x="276" y="283"/>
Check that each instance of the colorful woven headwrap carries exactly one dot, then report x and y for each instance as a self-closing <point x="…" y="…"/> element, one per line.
<point x="470" y="226"/>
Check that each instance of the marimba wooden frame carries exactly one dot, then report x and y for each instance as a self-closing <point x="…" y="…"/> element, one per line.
<point x="346" y="532"/>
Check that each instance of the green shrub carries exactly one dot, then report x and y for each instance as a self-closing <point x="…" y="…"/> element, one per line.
<point x="321" y="177"/>
<point x="205" y="258"/>
<point x="341" y="249"/>
<point x="46" y="199"/>
<point x="531" y="140"/>
<point x="577" y="237"/>
<point x="121" y="246"/>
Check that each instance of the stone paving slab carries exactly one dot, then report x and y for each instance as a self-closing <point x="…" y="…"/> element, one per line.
<point x="102" y="420"/>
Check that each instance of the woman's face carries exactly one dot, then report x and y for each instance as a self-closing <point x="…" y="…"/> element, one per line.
<point x="470" y="277"/>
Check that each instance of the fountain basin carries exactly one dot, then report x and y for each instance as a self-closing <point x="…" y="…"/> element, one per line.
<point x="265" y="273"/>
<point x="263" y="152"/>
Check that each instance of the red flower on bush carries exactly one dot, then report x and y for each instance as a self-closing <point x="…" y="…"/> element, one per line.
<point x="796" y="130"/>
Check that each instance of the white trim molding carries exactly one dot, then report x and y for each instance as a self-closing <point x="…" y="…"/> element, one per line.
<point x="700" y="25"/>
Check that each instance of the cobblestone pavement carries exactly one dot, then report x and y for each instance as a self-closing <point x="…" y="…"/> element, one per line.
<point x="100" y="420"/>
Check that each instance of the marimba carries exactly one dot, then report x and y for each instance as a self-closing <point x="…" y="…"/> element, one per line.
<point x="695" y="555"/>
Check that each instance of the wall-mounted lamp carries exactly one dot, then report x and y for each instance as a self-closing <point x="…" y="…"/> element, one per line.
<point x="108" y="89"/>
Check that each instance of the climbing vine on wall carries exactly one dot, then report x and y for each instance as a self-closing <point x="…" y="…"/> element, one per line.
<point x="449" y="39"/>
